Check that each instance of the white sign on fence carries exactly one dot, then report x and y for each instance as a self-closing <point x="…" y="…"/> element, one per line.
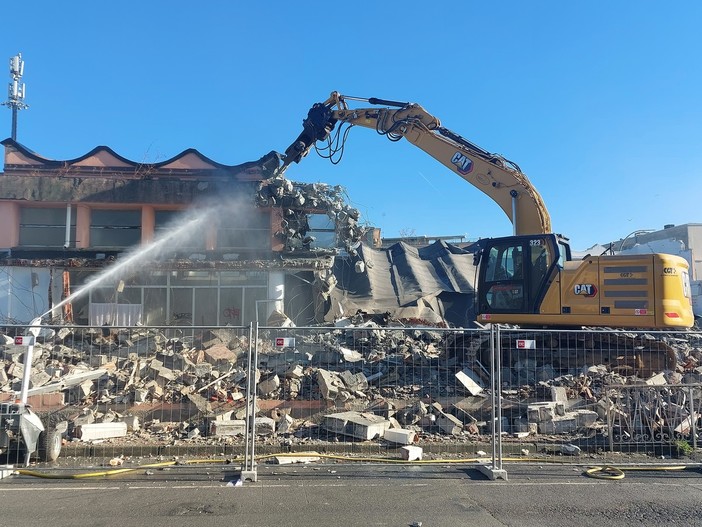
<point x="285" y="342"/>
<point x="24" y="341"/>
<point x="526" y="344"/>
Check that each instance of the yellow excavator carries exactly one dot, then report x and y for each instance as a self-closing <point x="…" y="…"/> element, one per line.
<point x="528" y="279"/>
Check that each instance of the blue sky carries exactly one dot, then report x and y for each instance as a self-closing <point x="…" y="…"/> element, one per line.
<point x="598" y="102"/>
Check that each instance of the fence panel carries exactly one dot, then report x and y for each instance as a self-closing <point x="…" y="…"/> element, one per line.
<point x="599" y="392"/>
<point x="129" y="395"/>
<point x="368" y="391"/>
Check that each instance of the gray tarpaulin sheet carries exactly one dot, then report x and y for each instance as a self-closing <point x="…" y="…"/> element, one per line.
<point x="434" y="283"/>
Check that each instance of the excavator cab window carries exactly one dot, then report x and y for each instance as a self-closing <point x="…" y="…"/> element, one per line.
<point x="514" y="273"/>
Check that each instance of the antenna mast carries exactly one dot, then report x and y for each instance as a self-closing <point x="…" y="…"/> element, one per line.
<point x="16" y="91"/>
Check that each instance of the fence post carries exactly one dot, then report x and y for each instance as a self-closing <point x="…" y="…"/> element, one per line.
<point x="495" y="470"/>
<point x="498" y="395"/>
<point x="693" y="418"/>
<point x="248" y="471"/>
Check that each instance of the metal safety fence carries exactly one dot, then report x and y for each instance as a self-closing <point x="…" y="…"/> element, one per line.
<point x="114" y="395"/>
<point x="128" y="396"/>
<point x="600" y="393"/>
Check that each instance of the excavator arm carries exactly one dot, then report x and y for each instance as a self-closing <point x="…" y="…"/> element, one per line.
<point x="494" y="175"/>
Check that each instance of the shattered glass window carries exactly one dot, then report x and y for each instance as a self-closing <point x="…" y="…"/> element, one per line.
<point x="115" y="228"/>
<point x="323" y="230"/>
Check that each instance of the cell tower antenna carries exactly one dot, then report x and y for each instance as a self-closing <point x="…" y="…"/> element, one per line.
<point x="16" y="91"/>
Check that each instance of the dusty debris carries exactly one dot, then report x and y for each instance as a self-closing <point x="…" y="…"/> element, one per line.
<point x="359" y="380"/>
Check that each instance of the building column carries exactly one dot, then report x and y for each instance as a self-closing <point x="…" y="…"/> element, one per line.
<point x="148" y="224"/>
<point x="276" y="291"/>
<point x="10" y="221"/>
<point x="82" y="226"/>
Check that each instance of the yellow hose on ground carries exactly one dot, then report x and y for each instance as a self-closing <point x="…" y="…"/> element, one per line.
<point x="599" y="472"/>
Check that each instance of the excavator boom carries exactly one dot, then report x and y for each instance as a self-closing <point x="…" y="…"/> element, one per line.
<point x="490" y="173"/>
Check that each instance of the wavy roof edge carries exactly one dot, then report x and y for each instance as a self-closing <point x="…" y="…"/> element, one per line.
<point x="136" y="164"/>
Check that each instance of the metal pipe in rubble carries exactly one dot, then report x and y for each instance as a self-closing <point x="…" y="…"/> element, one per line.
<point x="67" y="239"/>
<point x="26" y="373"/>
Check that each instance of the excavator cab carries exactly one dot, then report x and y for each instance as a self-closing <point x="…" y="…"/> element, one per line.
<point x="516" y="272"/>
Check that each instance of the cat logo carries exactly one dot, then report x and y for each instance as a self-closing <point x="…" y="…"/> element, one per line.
<point x="463" y="163"/>
<point x="587" y="290"/>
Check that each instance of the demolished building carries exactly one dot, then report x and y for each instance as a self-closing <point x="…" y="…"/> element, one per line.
<point x="268" y="245"/>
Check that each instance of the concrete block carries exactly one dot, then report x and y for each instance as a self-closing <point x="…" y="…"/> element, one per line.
<point x="268" y="385"/>
<point x="329" y="384"/>
<point x="132" y="421"/>
<point x="449" y="424"/>
<point x="220" y="355"/>
<point x="265" y="426"/>
<point x="411" y="453"/>
<point x="363" y="426"/>
<point x="470" y="381"/>
<point x="462" y="415"/>
<point x="93" y="431"/>
<point x="400" y="436"/>
<point x="585" y="418"/>
<point x="559" y="425"/>
<point x="295" y="371"/>
<point x="38" y="378"/>
<point x="233" y="427"/>
<point x="540" y="412"/>
<point x="164" y="376"/>
<point x="657" y="380"/>
<point x="15" y="370"/>
<point x="354" y="381"/>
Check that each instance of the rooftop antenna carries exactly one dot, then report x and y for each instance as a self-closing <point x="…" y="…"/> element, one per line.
<point x="16" y="91"/>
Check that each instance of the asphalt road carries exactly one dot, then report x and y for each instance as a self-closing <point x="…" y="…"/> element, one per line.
<point x="355" y="495"/>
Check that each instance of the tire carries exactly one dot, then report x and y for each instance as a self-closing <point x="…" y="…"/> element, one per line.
<point x="49" y="445"/>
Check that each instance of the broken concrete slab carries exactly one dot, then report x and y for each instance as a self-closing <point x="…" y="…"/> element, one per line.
<point x="470" y="381"/>
<point x="400" y="436"/>
<point x="307" y="457"/>
<point x="233" y="427"/>
<point x="359" y="425"/>
<point x="220" y="356"/>
<point x="329" y="384"/>
<point x="95" y="431"/>
<point x="268" y="385"/>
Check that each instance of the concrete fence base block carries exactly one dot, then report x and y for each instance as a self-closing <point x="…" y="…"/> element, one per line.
<point x="249" y="475"/>
<point x="492" y="473"/>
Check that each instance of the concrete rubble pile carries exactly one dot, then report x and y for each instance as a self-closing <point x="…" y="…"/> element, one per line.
<point x="298" y="200"/>
<point x="356" y="381"/>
